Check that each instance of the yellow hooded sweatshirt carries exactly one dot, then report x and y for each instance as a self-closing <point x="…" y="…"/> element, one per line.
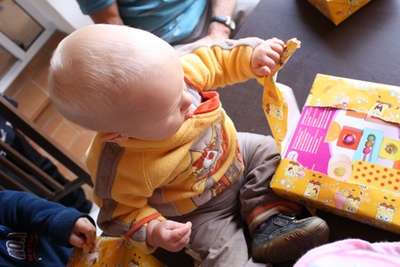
<point x="137" y="181"/>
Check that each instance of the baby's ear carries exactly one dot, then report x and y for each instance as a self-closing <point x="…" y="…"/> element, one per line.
<point x="113" y="137"/>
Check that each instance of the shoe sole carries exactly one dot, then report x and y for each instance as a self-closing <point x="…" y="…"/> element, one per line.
<point x="294" y="244"/>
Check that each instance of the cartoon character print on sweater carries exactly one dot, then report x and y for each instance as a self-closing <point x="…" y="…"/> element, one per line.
<point x="209" y="151"/>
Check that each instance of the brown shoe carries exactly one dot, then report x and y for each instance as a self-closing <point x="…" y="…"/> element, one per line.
<point x="285" y="238"/>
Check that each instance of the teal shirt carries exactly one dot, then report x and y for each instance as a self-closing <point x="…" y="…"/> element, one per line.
<point x="172" y="20"/>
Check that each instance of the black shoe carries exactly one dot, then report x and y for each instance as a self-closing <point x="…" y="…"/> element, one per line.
<point x="285" y="238"/>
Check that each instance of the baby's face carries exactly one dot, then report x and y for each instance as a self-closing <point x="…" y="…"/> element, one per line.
<point x="164" y="104"/>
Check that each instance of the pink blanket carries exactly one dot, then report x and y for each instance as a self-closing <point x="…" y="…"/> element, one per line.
<point x="354" y="253"/>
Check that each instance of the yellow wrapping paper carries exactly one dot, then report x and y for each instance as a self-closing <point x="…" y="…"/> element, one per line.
<point x="273" y="102"/>
<point x="344" y="154"/>
<point x="112" y="251"/>
<point x="338" y="10"/>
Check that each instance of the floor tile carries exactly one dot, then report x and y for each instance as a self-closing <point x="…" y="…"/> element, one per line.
<point x="53" y="123"/>
<point x="17" y="84"/>
<point x="54" y="40"/>
<point x="46" y="116"/>
<point x="40" y="78"/>
<point x="39" y="62"/>
<point x="81" y="144"/>
<point x="64" y="134"/>
<point x="31" y="100"/>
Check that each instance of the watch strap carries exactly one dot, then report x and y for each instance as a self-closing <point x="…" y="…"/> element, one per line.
<point x="226" y="20"/>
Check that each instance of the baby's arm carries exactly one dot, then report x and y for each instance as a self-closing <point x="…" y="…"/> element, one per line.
<point x="229" y="61"/>
<point x="83" y="232"/>
<point x="266" y="56"/>
<point x="170" y="235"/>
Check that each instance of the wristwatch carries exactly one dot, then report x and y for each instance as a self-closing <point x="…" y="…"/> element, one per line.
<point x="227" y="20"/>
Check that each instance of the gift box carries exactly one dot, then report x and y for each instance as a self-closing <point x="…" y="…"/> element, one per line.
<point x="344" y="154"/>
<point x="338" y="10"/>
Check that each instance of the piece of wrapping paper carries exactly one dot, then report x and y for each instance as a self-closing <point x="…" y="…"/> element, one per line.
<point x="273" y="102"/>
<point x="111" y="251"/>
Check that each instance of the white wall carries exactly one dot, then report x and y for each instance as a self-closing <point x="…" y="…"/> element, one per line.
<point x="64" y="14"/>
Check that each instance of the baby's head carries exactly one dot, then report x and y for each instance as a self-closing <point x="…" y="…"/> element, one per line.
<point x="119" y="80"/>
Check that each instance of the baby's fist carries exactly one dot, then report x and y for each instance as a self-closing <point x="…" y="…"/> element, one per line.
<point x="266" y="56"/>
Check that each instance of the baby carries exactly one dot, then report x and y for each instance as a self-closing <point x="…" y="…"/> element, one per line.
<point x="169" y="168"/>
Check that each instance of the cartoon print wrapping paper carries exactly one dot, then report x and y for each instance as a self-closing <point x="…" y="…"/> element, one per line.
<point x="338" y="10"/>
<point x="273" y="102"/>
<point x="344" y="155"/>
<point x="111" y="251"/>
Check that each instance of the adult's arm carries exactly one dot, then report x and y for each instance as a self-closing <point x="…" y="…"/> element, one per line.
<point x="218" y="30"/>
<point x="108" y="15"/>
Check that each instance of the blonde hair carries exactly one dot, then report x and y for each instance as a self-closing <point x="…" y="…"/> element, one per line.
<point x="94" y="70"/>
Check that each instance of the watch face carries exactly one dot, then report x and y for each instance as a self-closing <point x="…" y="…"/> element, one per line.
<point x="233" y="25"/>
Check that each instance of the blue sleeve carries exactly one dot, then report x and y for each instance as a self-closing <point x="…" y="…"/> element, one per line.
<point x="30" y="213"/>
<point x="93" y="6"/>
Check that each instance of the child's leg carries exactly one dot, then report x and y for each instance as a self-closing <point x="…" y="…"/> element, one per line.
<point x="276" y="237"/>
<point x="218" y="237"/>
<point x="259" y="203"/>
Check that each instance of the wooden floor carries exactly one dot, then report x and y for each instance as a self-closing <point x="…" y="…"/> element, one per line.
<point x="30" y="90"/>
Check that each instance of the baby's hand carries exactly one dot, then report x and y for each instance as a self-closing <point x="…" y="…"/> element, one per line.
<point x="83" y="232"/>
<point x="170" y="235"/>
<point x="266" y="56"/>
